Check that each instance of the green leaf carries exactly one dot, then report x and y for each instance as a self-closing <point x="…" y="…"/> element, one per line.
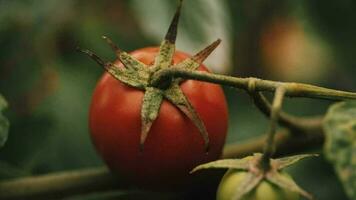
<point x="340" y="146"/>
<point x="4" y="122"/>
<point x="8" y="170"/>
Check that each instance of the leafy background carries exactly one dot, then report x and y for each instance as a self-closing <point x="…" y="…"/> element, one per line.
<point x="340" y="143"/>
<point x="48" y="84"/>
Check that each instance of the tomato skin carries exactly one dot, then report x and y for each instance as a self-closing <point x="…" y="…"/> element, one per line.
<point x="264" y="191"/>
<point x="174" y="145"/>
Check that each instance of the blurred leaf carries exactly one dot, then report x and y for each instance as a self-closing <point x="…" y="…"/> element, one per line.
<point x="4" y="123"/>
<point x="340" y="146"/>
<point x="202" y="22"/>
<point x="8" y="170"/>
<point x="3" y="103"/>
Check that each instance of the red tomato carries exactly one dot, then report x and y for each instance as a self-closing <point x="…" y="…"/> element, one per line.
<point x="174" y="145"/>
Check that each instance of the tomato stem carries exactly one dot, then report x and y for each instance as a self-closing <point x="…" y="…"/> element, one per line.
<point x="297" y="124"/>
<point x="255" y="87"/>
<point x="292" y="89"/>
<point x="269" y="147"/>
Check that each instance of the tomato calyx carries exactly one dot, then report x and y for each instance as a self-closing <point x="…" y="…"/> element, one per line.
<point x="257" y="174"/>
<point x="138" y="75"/>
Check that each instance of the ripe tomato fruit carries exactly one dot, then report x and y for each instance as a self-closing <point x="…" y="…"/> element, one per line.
<point x="264" y="191"/>
<point x="174" y="145"/>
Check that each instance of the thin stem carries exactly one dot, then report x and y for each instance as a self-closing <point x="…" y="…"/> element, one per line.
<point x="269" y="146"/>
<point x="291" y="89"/>
<point x="60" y="184"/>
<point x="286" y="142"/>
<point x="285" y="119"/>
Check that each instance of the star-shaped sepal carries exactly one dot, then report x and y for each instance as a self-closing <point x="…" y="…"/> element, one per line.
<point x="256" y="173"/>
<point x="137" y="74"/>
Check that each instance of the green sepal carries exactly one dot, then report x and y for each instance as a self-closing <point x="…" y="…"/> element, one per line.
<point x="188" y="63"/>
<point x="165" y="55"/>
<point x="194" y="62"/>
<point x="242" y="164"/>
<point x="250" y="182"/>
<point x="284" y="162"/>
<point x="150" y="108"/>
<point x="128" y="77"/>
<point x="131" y="63"/>
<point x="167" y="48"/>
<point x="203" y="54"/>
<point x="287" y="183"/>
<point x="126" y="59"/>
<point x="175" y="95"/>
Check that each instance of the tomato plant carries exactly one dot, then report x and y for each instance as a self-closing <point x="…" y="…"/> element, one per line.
<point x="156" y="113"/>
<point x="174" y="145"/>
<point x="264" y="191"/>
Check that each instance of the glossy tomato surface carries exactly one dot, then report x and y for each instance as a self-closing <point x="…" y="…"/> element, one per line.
<point x="174" y="145"/>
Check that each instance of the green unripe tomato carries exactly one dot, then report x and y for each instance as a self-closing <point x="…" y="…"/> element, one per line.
<point x="264" y="191"/>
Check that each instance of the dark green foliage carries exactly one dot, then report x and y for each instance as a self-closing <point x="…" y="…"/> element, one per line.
<point x="4" y="122"/>
<point x="340" y="146"/>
